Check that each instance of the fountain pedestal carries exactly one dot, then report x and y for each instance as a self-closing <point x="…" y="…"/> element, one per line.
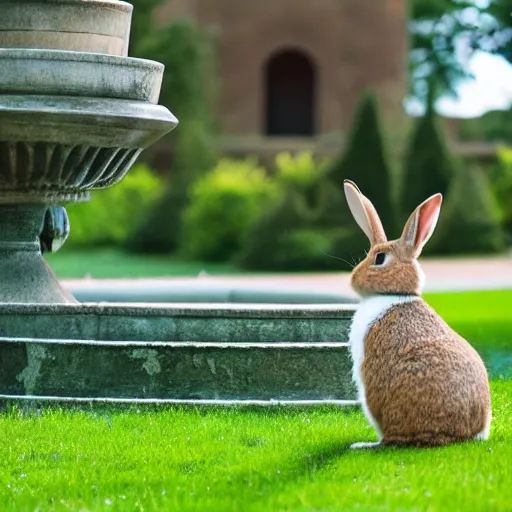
<point x="25" y="276"/>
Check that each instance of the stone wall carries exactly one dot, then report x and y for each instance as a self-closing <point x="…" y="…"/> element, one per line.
<point x="354" y="45"/>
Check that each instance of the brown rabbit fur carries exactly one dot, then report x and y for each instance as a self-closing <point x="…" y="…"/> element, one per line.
<point x="420" y="383"/>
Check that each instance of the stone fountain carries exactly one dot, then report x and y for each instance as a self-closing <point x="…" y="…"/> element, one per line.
<point x="75" y="113"/>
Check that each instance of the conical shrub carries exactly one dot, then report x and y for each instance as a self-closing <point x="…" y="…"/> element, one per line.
<point x="302" y="236"/>
<point x="364" y="161"/>
<point x="429" y="166"/>
<point x="471" y="222"/>
<point x="311" y="228"/>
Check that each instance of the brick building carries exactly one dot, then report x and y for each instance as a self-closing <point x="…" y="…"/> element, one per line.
<point x="292" y="71"/>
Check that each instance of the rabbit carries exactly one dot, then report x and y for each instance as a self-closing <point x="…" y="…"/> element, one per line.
<point x="419" y="382"/>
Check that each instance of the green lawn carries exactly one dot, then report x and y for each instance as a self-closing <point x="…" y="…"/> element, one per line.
<point x="112" y="263"/>
<point x="485" y="318"/>
<point x="250" y="460"/>
<point x="184" y="459"/>
<point x="242" y="460"/>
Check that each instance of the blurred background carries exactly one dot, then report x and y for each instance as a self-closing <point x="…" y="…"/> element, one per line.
<point x="279" y="101"/>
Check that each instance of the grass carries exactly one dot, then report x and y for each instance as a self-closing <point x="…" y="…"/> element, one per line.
<point x="483" y="317"/>
<point x="112" y="263"/>
<point x="241" y="460"/>
<point x="199" y="459"/>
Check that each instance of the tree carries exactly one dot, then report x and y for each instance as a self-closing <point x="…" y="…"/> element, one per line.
<point x="435" y="28"/>
<point x="495" y="34"/>
<point x="186" y="52"/>
<point x="142" y="23"/>
<point x="439" y="27"/>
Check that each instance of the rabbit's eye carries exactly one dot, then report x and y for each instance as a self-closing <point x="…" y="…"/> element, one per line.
<point x="380" y="258"/>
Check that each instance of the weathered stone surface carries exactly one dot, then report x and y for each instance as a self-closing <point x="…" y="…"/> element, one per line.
<point x="76" y="25"/>
<point x="55" y="149"/>
<point x="48" y="72"/>
<point x="181" y="352"/>
<point x="206" y="371"/>
<point x="64" y="173"/>
<point x="96" y="122"/>
<point x="218" y="323"/>
<point x="24" y="274"/>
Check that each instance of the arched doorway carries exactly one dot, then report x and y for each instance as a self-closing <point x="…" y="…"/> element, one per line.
<point x="290" y="81"/>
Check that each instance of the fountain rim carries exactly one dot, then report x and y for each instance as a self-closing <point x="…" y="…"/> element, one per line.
<point x="75" y="56"/>
<point x="100" y="26"/>
<point x="82" y="116"/>
<point x="81" y="74"/>
<point x="118" y="5"/>
<point x="89" y="401"/>
<point x="84" y="106"/>
<point x="185" y="309"/>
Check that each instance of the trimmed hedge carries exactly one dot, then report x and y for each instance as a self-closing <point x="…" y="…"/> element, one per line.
<point x="428" y="168"/>
<point x="471" y="220"/>
<point x="311" y="227"/>
<point x="306" y="230"/>
<point x="223" y="205"/>
<point x="365" y="162"/>
<point x="108" y="218"/>
<point x="502" y="186"/>
<point x="158" y="231"/>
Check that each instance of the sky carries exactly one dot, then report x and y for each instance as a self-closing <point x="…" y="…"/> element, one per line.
<point x="490" y="89"/>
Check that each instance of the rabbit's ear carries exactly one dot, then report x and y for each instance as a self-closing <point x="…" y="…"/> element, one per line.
<point x="364" y="213"/>
<point x="421" y="224"/>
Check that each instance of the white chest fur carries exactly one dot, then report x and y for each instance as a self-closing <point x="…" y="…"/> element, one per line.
<point x="368" y="312"/>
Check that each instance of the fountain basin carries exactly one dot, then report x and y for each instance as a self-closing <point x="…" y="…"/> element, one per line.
<point x="78" y="25"/>
<point x="67" y="73"/>
<point x="72" y="120"/>
<point x="181" y="353"/>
